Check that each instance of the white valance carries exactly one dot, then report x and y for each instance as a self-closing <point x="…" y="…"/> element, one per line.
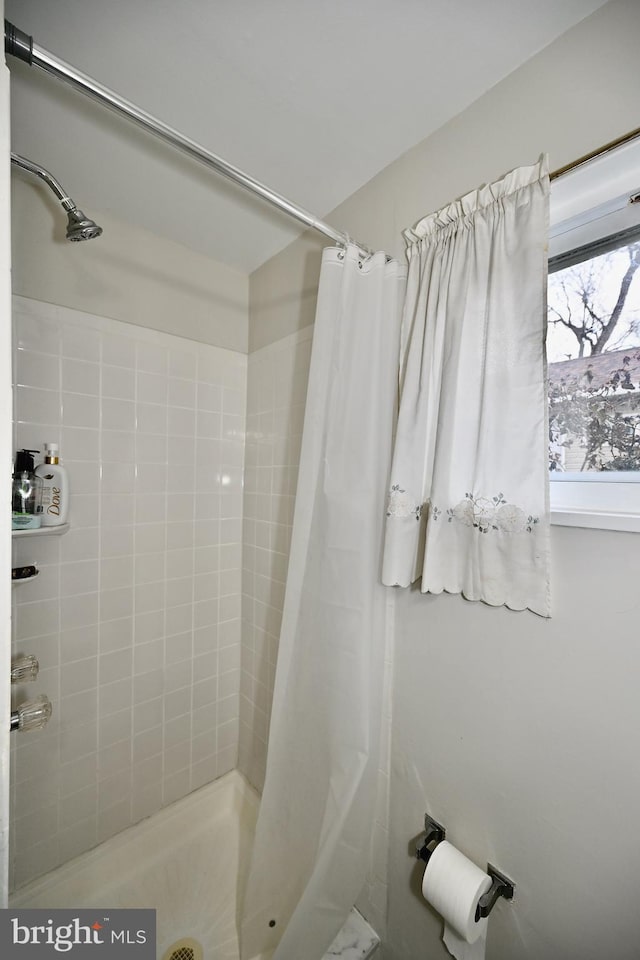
<point x="468" y="502"/>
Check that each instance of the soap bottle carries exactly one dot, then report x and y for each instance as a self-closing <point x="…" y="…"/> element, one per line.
<point x="55" y="494"/>
<point x="26" y="493"/>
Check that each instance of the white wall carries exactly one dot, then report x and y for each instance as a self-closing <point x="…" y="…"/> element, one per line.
<point x="128" y="273"/>
<point x="519" y="734"/>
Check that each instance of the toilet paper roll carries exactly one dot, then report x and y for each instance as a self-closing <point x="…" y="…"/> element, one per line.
<point x="453" y="884"/>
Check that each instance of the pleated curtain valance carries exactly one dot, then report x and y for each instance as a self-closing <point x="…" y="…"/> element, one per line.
<point x="468" y="506"/>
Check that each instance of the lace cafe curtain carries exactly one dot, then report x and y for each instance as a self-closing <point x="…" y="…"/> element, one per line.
<point x="468" y="509"/>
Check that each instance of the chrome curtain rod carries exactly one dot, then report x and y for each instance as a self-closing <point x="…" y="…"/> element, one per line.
<point x="606" y="148"/>
<point x="21" y="45"/>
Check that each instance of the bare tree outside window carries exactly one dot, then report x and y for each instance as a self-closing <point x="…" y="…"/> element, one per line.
<point x="593" y="348"/>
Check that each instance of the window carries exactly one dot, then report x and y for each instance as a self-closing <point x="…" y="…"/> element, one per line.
<point x="593" y="344"/>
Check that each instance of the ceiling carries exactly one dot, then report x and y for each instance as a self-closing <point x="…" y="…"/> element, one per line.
<point x="311" y="98"/>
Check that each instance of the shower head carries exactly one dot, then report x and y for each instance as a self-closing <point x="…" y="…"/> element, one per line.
<point x="79" y="227"/>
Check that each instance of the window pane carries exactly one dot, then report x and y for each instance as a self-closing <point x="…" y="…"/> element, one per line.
<point x="593" y="349"/>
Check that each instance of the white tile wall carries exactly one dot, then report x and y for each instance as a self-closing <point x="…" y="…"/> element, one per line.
<point x="135" y="616"/>
<point x="276" y="395"/>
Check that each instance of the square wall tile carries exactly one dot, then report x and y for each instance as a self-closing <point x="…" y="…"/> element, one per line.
<point x="125" y="617"/>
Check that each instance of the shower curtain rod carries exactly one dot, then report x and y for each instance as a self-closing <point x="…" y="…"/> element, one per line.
<point x="19" y="44"/>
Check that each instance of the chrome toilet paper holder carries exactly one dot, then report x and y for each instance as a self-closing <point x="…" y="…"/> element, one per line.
<point x="501" y="885"/>
<point x="434" y="832"/>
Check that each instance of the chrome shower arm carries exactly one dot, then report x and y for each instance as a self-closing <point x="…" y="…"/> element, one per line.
<point x="48" y="178"/>
<point x="79" y="227"/>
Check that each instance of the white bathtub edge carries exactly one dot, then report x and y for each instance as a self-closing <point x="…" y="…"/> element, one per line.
<point x="233" y="783"/>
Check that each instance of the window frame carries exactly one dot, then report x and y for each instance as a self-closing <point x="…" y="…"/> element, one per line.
<point x="590" y="209"/>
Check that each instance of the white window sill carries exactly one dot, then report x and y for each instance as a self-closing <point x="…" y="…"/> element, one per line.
<point x="596" y="501"/>
<point x="596" y="520"/>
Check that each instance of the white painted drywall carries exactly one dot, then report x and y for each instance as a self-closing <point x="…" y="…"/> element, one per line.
<point x="126" y="274"/>
<point x="521" y="735"/>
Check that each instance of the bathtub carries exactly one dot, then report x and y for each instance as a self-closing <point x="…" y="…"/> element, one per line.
<point x="187" y="862"/>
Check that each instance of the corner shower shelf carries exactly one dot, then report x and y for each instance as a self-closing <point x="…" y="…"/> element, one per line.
<point x="42" y="531"/>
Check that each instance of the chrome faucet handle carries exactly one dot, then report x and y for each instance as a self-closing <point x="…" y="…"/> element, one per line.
<point x="32" y="715"/>
<point x="24" y="668"/>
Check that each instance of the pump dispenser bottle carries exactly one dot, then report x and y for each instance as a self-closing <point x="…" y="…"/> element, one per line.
<point x="26" y="495"/>
<point x="55" y="493"/>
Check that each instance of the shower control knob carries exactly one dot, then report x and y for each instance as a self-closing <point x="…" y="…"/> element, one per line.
<point x="24" y="669"/>
<point x="32" y="715"/>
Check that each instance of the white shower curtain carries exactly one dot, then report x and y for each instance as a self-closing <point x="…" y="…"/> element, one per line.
<point x="468" y="507"/>
<point x="311" y="852"/>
